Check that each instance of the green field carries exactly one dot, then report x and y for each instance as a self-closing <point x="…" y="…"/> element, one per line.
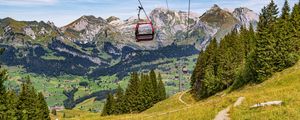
<point x="53" y="87"/>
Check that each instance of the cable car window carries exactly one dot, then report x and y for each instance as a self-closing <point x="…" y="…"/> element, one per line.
<point x="145" y="29"/>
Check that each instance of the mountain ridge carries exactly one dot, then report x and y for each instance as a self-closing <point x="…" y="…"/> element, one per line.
<point x="108" y="44"/>
<point x="89" y="28"/>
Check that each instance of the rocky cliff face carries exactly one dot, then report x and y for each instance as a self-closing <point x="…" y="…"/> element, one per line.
<point x="85" y="29"/>
<point x="246" y="16"/>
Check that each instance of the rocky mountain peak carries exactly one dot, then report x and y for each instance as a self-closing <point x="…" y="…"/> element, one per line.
<point x="246" y="16"/>
<point x="165" y="17"/>
<point x="216" y="11"/>
<point x="84" y="22"/>
<point x="215" y="7"/>
<point x="112" y="18"/>
<point x="91" y="19"/>
<point x="51" y="24"/>
<point x="242" y="10"/>
<point x="160" y="9"/>
<point x="7" y="19"/>
<point x="217" y="17"/>
<point x="88" y="17"/>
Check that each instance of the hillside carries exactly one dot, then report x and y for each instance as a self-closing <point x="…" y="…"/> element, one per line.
<point x="284" y="86"/>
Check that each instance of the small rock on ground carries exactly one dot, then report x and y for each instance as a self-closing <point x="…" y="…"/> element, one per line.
<point x="267" y="104"/>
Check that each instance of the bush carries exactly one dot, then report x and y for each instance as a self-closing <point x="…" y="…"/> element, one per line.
<point x="84" y="84"/>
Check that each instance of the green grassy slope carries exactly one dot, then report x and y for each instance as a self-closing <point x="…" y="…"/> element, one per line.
<point x="283" y="86"/>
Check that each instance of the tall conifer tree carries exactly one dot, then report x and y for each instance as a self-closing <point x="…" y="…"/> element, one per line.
<point x="11" y="102"/>
<point x="147" y="92"/>
<point x="131" y="99"/>
<point x="295" y="16"/>
<point x="209" y="58"/>
<point x="109" y="106"/>
<point x="119" y="100"/>
<point x="27" y="105"/>
<point x="265" y="52"/>
<point x="153" y="79"/>
<point x="285" y="13"/>
<point x="161" y="88"/>
<point x="3" y="95"/>
<point x="42" y="107"/>
<point x="285" y="52"/>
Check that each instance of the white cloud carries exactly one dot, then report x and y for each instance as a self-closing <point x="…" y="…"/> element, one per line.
<point x="27" y="2"/>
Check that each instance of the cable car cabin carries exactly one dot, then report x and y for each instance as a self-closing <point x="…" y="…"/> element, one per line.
<point x="184" y="70"/>
<point x="144" y="31"/>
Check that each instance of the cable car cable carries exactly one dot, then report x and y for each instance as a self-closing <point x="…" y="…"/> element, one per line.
<point x="142" y="8"/>
<point x="167" y="4"/>
<point x="188" y="17"/>
<point x="141" y="35"/>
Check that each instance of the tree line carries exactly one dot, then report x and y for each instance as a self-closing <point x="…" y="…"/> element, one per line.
<point x="249" y="56"/>
<point x="142" y="92"/>
<point x="27" y="104"/>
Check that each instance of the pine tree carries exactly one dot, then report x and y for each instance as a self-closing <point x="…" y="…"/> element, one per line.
<point x="11" y="102"/>
<point x="295" y="16"/>
<point x="8" y="99"/>
<point x="141" y="95"/>
<point x="231" y="56"/>
<point x="285" y="50"/>
<point x="3" y="95"/>
<point x="146" y="93"/>
<point x="27" y="105"/>
<point x="265" y="52"/>
<point x="211" y="84"/>
<point x="131" y="99"/>
<point x="119" y="100"/>
<point x="42" y="107"/>
<point x="198" y="71"/>
<point x="251" y="38"/>
<point x="272" y="11"/>
<point x="207" y="58"/>
<point x="109" y="106"/>
<point x="285" y="13"/>
<point x="161" y="89"/>
<point x="246" y="74"/>
<point x="248" y="37"/>
<point x="244" y="37"/>
<point x="153" y="80"/>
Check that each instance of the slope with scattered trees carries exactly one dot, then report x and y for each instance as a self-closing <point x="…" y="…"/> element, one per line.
<point x="247" y="56"/>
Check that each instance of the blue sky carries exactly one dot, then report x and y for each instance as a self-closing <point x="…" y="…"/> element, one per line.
<point x="62" y="12"/>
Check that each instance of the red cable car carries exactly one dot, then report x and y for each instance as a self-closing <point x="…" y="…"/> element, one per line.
<point x="184" y="70"/>
<point x="144" y="30"/>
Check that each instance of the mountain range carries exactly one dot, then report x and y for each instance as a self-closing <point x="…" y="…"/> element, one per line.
<point x="93" y="46"/>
